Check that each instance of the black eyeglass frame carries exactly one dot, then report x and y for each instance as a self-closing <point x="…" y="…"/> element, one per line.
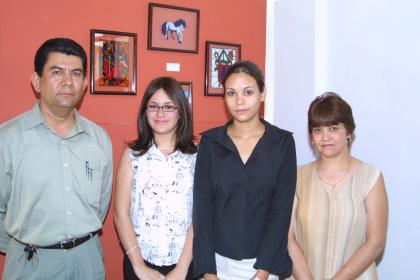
<point x="155" y="108"/>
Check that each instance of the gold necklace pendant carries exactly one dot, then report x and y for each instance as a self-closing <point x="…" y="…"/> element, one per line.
<point x="333" y="185"/>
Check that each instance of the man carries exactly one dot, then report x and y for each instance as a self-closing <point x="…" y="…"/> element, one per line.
<point x="55" y="176"/>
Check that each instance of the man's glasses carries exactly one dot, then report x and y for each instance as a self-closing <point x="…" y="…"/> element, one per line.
<point x="165" y="108"/>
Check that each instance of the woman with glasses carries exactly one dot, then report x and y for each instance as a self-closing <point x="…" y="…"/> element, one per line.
<point x="244" y="185"/>
<point x="340" y="212"/>
<point x="154" y="184"/>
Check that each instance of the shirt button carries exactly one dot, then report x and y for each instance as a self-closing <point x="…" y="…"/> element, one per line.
<point x="69" y="213"/>
<point x="66" y="165"/>
<point x="67" y="188"/>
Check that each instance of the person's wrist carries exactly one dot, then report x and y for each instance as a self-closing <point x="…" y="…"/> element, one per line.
<point x="139" y="264"/>
<point x="348" y="271"/>
<point x="260" y="275"/>
<point x="180" y="270"/>
<point x="131" y="250"/>
<point x="210" y="276"/>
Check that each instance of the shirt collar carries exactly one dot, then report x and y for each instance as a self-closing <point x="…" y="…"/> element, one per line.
<point x="153" y="150"/>
<point x="35" y="118"/>
<point x="271" y="134"/>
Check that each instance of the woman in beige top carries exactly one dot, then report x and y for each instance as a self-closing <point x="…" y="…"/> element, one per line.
<point x="340" y="212"/>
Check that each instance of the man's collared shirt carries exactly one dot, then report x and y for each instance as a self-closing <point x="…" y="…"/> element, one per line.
<point x="52" y="189"/>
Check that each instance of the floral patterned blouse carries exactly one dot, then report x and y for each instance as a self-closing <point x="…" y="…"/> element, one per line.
<point x="161" y="203"/>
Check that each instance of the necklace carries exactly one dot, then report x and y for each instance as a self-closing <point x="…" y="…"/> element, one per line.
<point x="165" y="148"/>
<point x="333" y="185"/>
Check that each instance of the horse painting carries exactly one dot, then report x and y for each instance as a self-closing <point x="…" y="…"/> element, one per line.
<point x="170" y="28"/>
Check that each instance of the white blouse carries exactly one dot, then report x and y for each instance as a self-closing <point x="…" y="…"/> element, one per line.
<point x="161" y="203"/>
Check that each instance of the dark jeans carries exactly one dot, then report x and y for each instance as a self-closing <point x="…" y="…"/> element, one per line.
<point x="130" y="275"/>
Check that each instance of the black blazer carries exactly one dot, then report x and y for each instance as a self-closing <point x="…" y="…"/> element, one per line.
<point x="243" y="211"/>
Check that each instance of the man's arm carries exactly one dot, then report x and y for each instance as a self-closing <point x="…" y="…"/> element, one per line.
<point x="106" y="180"/>
<point x="5" y="179"/>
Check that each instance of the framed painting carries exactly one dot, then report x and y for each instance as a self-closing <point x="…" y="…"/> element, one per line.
<point x="113" y="62"/>
<point x="187" y="87"/>
<point x="219" y="57"/>
<point x="173" y="28"/>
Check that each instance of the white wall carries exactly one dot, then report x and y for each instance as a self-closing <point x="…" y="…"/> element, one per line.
<point x="368" y="52"/>
<point x="290" y="68"/>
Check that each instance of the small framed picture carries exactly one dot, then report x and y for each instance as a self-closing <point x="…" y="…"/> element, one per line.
<point x="219" y="57"/>
<point x="113" y="62"/>
<point x="187" y="87"/>
<point x="173" y="28"/>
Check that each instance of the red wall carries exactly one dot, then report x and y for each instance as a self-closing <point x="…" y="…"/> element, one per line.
<point x="25" y="25"/>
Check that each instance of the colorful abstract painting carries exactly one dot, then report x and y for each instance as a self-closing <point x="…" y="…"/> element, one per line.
<point x="114" y="63"/>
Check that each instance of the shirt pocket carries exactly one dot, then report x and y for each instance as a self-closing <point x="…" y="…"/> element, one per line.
<point x="92" y="174"/>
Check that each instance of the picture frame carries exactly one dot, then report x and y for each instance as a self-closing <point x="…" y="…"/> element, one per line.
<point x="173" y="28"/>
<point x="113" y="62"/>
<point x="187" y="87"/>
<point x="219" y="57"/>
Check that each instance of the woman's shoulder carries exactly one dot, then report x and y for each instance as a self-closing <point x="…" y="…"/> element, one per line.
<point x="275" y="130"/>
<point x="210" y="137"/>
<point x="214" y="132"/>
<point x="304" y="178"/>
<point x="306" y="168"/>
<point x="366" y="168"/>
<point x="368" y="173"/>
<point x="138" y="155"/>
<point x="188" y="157"/>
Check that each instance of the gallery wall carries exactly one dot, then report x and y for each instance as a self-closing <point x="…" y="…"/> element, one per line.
<point x="25" y="25"/>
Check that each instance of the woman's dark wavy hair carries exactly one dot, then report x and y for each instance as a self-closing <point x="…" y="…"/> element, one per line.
<point x="184" y="131"/>
<point x="330" y="109"/>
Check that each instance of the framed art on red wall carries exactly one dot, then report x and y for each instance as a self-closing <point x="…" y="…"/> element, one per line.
<point x="173" y="28"/>
<point x="219" y="57"/>
<point x="113" y="62"/>
<point x="187" y="88"/>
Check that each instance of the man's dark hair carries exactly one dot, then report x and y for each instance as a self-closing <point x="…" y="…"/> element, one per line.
<point x="60" y="45"/>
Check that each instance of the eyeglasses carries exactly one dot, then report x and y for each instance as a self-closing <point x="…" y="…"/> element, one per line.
<point x="165" y="108"/>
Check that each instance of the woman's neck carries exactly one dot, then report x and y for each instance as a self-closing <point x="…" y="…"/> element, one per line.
<point x="339" y="162"/>
<point x="165" y="141"/>
<point x="246" y="129"/>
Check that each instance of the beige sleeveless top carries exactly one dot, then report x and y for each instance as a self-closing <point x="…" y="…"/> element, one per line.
<point x="331" y="225"/>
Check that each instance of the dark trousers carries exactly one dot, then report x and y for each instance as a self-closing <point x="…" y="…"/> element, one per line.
<point x="130" y="275"/>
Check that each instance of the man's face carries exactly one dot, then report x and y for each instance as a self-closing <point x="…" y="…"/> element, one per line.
<point x="62" y="83"/>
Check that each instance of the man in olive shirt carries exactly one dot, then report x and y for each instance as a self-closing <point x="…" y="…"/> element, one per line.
<point x="55" y="175"/>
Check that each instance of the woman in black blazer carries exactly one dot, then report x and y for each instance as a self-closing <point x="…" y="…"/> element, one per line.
<point x="244" y="186"/>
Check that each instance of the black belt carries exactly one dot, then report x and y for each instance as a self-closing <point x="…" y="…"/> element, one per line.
<point x="30" y="249"/>
<point x="69" y="244"/>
